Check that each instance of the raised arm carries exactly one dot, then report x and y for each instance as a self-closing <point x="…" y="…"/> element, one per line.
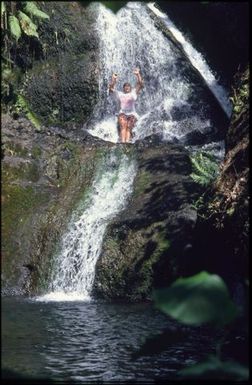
<point x="139" y="83"/>
<point x="113" y="83"/>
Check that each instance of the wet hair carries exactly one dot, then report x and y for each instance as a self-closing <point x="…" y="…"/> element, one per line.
<point x="126" y="84"/>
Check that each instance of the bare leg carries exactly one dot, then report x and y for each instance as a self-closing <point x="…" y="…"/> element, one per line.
<point x="122" y="121"/>
<point x="130" y="124"/>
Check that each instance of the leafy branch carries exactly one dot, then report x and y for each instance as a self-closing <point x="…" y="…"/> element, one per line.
<point x="19" y="21"/>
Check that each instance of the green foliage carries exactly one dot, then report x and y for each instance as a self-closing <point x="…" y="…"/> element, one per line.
<point x="22" y="105"/>
<point x="33" y="10"/>
<point x="195" y="300"/>
<point x="205" y="168"/>
<point x="28" y="27"/>
<point x="19" y="23"/>
<point x="3" y="8"/>
<point x="240" y="97"/>
<point x="14" y="27"/>
<point x="8" y="75"/>
<point x="213" y="368"/>
<point x="198" y="299"/>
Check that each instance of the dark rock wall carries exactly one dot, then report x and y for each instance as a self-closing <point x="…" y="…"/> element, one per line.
<point x="218" y="29"/>
<point x="147" y="244"/>
<point x="221" y="243"/>
<point x="44" y="176"/>
<point x="62" y="87"/>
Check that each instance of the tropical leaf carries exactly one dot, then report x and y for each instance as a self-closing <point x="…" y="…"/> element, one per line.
<point x="3" y="8"/>
<point x="196" y="300"/>
<point x="213" y="368"/>
<point x="14" y="27"/>
<point x="33" y="10"/>
<point x="27" y="25"/>
<point x="23" y="105"/>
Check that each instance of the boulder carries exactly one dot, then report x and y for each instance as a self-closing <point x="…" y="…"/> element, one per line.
<point x="45" y="174"/>
<point x="147" y="244"/>
<point x="62" y="87"/>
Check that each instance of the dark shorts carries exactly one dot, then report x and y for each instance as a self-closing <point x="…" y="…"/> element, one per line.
<point x="130" y="118"/>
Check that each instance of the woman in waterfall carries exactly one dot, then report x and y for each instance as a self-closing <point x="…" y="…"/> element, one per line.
<point x="127" y="115"/>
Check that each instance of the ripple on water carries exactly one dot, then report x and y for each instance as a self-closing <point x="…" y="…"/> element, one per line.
<point x="90" y="341"/>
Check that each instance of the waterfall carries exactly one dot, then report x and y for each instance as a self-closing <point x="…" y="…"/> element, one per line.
<point x="198" y="61"/>
<point x="170" y="104"/>
<point x="74" y="266"/>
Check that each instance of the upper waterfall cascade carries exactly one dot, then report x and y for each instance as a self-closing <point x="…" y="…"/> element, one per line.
<point x="197" y="61"/>
<point x="169" y="103"/>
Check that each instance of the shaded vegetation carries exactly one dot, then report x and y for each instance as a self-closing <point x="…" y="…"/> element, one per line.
<point x="202" y="298"/>
<point x="19" y="24"/>
<point x="205" y="168"/>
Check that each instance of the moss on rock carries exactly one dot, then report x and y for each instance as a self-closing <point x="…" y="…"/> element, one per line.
<point x="41" y="187"/>
<point x="142" y="249"/>
<point x="62" y="89"/>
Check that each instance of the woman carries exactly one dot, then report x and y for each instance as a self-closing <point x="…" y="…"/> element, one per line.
<point x="127" y="115"/>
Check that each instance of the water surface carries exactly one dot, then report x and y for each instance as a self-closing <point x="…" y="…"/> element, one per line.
<point x="86" y="341"/>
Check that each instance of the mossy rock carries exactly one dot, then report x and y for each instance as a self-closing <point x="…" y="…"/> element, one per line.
<point x="62" y="89"/>
<point x="40" y="191"/>
<point x="143" y="246"/>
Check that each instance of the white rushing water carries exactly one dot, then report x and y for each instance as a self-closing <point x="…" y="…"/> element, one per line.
<point x="198" y="61"/>
<point x="170" y="104"/>
<point x="74" y="266"/>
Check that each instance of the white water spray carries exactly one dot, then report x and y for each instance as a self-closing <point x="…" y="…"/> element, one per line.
<point x="198" y="61"/>
<point x="170" y="104"/>
<point x="74" y="266"/>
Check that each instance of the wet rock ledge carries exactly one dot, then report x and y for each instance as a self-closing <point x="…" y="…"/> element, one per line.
<point x="147" y="244"/>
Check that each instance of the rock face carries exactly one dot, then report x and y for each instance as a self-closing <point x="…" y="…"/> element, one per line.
<point x="44" y="176"/>
<point x="62" y="88"/>
<point x="221" y="243"/>
<point x="196" y="19"/>
<point x="231" y="190"/>
<point x="147" y="244"/>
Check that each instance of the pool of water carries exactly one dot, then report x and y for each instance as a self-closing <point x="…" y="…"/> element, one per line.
<point x="86" y="341"/>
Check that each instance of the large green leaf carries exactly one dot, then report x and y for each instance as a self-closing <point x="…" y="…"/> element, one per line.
<point x="3" y="8"/>
<point x="14" y="27"/>
<point x="198" y="299"/>
<point x="33" y="10"/>
<point x="27" y="25"/>
<point x="213" y="368"/>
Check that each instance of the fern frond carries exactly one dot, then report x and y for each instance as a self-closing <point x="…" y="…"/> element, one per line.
<point x="204" y="168"/>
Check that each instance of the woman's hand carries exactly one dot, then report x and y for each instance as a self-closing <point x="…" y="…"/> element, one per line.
<point x="114" y="77"/>
<point x="136" y="71"/>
